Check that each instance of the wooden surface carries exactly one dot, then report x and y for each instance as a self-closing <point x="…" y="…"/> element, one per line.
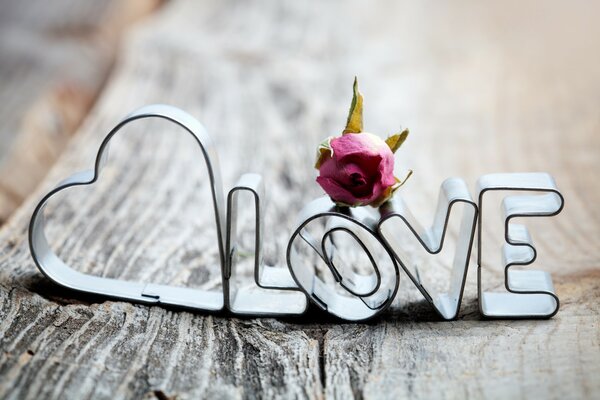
<point x="484" y="88"/>
<point x="54" y="61"/>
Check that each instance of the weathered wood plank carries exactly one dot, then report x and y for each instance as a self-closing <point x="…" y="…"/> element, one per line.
<point x="106" y="348"/>
<point x="480" y="93"/>
<point x="499" y="93"/>
<point x="53" y="63"/>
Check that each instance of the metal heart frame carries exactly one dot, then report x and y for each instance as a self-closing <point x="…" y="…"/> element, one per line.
<point x="57" y="271"/>
<point x="348" y="295"/>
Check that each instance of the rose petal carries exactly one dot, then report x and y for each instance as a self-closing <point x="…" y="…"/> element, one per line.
<point x="337" y="192"/>
<point x="359" y="143"/>
<point x="386" y="171"/>
<point x="346" y="175"/>
<point x="361" y="170"/>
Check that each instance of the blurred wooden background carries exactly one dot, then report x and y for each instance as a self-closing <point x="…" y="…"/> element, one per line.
<point x="54" y="60"/>
<point x="484" y="87"/>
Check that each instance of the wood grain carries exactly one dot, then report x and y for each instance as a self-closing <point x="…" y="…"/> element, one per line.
<point x="54" y="61"/>
<point x="483" y="88"/>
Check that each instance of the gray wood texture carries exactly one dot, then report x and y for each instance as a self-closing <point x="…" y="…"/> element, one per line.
<point x="54" y="60"/>
<point x="484" y="88"/>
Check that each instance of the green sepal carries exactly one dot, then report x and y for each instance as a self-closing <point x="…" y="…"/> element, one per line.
<point x="323" y="151"/>
<point x="396" y="140"/>
<point x="354" y="124"/>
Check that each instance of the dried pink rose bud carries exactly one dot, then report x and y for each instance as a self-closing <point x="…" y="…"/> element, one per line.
<point x="357" y="168"/>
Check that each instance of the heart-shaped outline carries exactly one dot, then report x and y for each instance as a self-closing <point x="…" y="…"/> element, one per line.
<point x="57" y="271"/>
